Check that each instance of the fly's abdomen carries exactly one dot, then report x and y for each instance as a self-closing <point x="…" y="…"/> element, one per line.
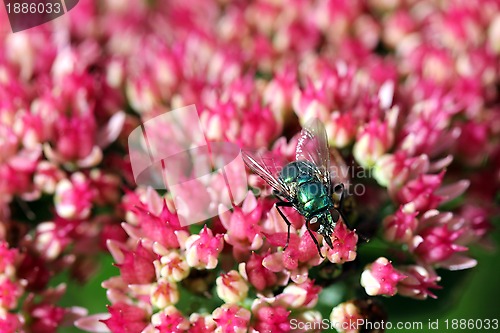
<point x="313" y="197"/>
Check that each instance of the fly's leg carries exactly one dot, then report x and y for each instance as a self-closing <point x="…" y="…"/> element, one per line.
<point x="341" y="211"/>
<point x="315" y="242"/>
<point x="284" y="204"/>
<point x="341" y="204"/>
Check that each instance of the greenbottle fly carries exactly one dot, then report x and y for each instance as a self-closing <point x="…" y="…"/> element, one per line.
<point x="305" y="184"/>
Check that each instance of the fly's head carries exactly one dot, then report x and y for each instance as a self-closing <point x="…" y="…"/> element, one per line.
<point x="324" y="223"/>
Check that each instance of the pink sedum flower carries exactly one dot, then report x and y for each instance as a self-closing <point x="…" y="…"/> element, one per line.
<point x="394" y="170"/>
<point x="171" y="265"/>
<point x="372" y="142"/>
<point x="136" y="266"/>
<point x="126" y="318"/>
<point x="149" y="217"/>
<point x="74" y="197"/>
<point x="401" y="226"/>
<point x="381" y="278"/>
<point x="243" y="226"/>
<point x="341" y="129"/>
<point x="202" y="250"/>
<point x="231" y="287"/>
<point x="271" y="319"/>
<point x="421" y="192"/>
<point x="8" y="258"/>
<point x="9" y="322"/>
<point x="303" y="295"/>
<point x="47" y="318"/>
<point x="345" y="317"/>
<point x="437" y="244"/>
<point x="231" y="318"/>
<point x="259" y="276"/>
<point x="79" y="129"/>
<point x="52" y="238"/>
<point x="47" y="176"/>
<point x="10" y="292"/>
<point x="201" y="323"/>
<point x="296" y="259"/>
<point x="419" y="282"/>
<point x="344" y="243"/>
<point x="164" y="293"/>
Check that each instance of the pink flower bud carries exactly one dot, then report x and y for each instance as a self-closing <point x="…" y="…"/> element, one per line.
<point x="400" y="226"/>
<point x="46" y="318"/>
<point x="398" y="26"/>
<point x="243" y="226"/>
<point x="136" y="266"/>
<point x="345" y="317"/>
<point x="271" y="319"/>
<point x="154" y="222"/>
<point x="202" y="250"/>
<point x="231" y="318"/>
<point x="296" y="259"/>
<point x="46" y="177"/>
<point x="143" y="93"/>
<point x="74" y="141"/>
<point x="106" y="186"/>
<point x="341" y="129"/>
<point x="170" y="320"/>
<point x="164" y="293"/>
<point x="7" y="259"/>
<point x="381" y="278"/>
<point x="435" y="244"/>
<point x="171" y="265"/>
<point x="34" y="270"/>
<point x="344" y="243"/>
<point x="10" y="292"/>
<point x="421" y="192"/>
<point x="494" y="34"/>
<point x="472" y="136"/>
<point x="393" y="170"/>
<point x="51" y="239"/>
<point x="201" y="323"/>
<point x="258" y="275"/>
<point x="419" y="282"/>
<point x="279" y="92"/>
<point x="373" y="140"/>
<point x="10" y="322"/>
<point x="304" y="295"/>
<point x="308" y="318"/>
<point x="231" y="287"/>
<point x="8" y="144"/>
<point x="73" y="197"/>
<point x="126" y="315"/>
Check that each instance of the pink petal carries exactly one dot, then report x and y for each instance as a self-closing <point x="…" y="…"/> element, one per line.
<point x="452" y="191"/>
<point x="93" y="324"/>
<point x="110" y="132"/>
<point x="458" y="262"/>
<point x="92" y="159"/>
<point x="274" y="262"/>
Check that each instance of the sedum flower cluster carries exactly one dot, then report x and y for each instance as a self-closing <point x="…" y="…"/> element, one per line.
<point x="407" y="91"/>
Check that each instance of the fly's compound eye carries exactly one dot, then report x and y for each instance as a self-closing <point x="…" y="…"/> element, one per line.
<point x="313" y="224"/>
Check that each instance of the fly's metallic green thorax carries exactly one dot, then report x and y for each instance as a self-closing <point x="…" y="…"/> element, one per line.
<point x="310" y="193"/>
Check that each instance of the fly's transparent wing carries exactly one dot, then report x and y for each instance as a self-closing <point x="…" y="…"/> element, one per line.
<point x="313" y="147"/>
<point x="267" y="168"/>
